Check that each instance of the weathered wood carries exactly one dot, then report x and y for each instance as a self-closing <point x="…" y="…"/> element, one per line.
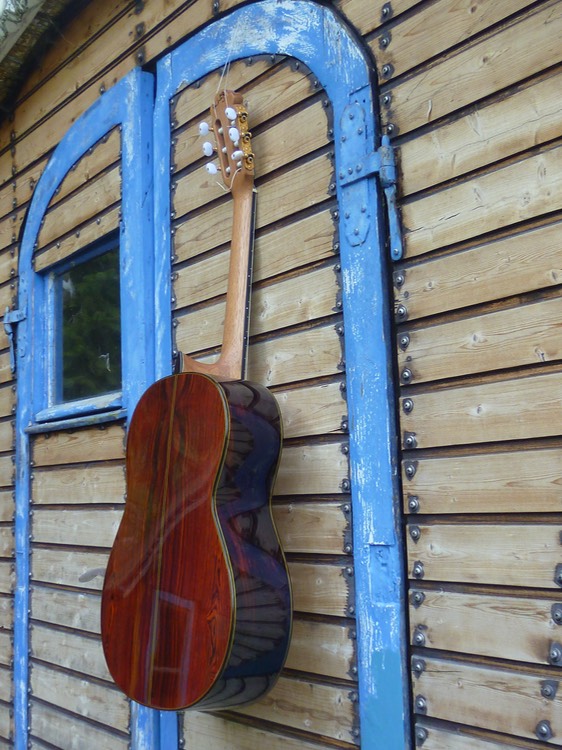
<point x="522" y="335"/>
<point x="524" y="119"/>
<point x="6" y="723"/>
<point x="367" y="17"/>
<point x="5" y="685"/>
<point x="313" y="469"/>
<point x="84" y="528"/>
<point x="80" y="696"/>
<point x="322" y="709"/>
<point x="442" y="739"/>
<point x="103" y="224"/>
<point x="73" y="609"/>
<point x="62" y="730"/>
<point x="506" y="482"/>
<point x="7" y="578"/>
<point x="504" y="627"/>
<point x="314" y="410"/>
<point x="7" y="505"/>
<point x="63" y="648"/>
<point x="10" y="227"/>
<point x="7" y="400"/>
<point x="507" y="554"/>
<point x="6" y="541"/>
<point x="6" y="612"/>
<point x="321" y="648"/>
<point x="499" y="699"/>
<point x="91" y="444"/>
<point x="6" y="651"/>
<point x="483" y="67"/>
<point x="90" y="483"/>
<point x="289" y="302"/>
<point x="94" y="198"/>
<point x="66" y="568"/>
<point x="6" y="375"/>
<point x="311" y="527"/>
<point x="6" y="435"/>
<point x="523" y="262"/>
<point x="6" y="471"/>
<point x="515" y="192"/>
<point x="214" y="731"/>
<point x="435" y="29"/>
<point x="503" y="410"/>
<point x="319" y="589"/>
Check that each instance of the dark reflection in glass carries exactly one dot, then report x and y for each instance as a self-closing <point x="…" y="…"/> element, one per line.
<point x="90" y="338"/>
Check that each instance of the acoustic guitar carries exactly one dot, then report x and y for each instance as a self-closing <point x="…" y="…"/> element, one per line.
<point x="196" y="604"/>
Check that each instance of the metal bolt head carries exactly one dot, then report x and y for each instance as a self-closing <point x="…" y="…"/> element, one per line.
<point x="413" y="503"/>
<point x="555" y="653"/>
<point x="556" y="613"/>
<point x="401" y="312"/>
<point x="384" y="41"/>
<point x="415" y="533"/>
<point x="410" y="468"/>
<point x="420" y="704"/>
<point x="408" y="406"/>
<point x="410" y="440"/>
<point x="404" y="341"/>
<point x="406" y="375"/>
<point x="543" y="730"/>
<point x="417" y="598"/>
<point x="419" y="637"/>
<point x="418" y="569"/>
<point x="421" y="735"/>
<point x="386" y="70"/>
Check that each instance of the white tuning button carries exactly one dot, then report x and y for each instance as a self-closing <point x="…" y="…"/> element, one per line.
<point x="230" y="112"/>
<point x="204" y="128"/>
<point x="207" y="148"/>
<point x="234" y="135"/>
<point x="237" y="155"/>
<point x="211" y="168"/>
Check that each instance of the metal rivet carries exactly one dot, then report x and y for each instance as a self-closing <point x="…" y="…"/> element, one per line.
<point x="413" y="503"/>
<point x="543" y="730"/>
<point x="339" y="329"/>
<point x="404" y="341"/>
<point x="384" y="41"/>
<point x="390" y="128"/>
<point x="421" y="735"/>
<point x="418" y="569"/>
<point x="410" y="440"/>
<point x="549" y="689"/>
<point x="420" y="704"/>
<point x="556" y="613"/>
<point x="399" y="278"/>
<point x="401" y="312"/>
<point x="345" y="485"/>
<point x="410" y="468"/>
<point x="417" y="598"/>
<point x="558" y="574"/>
<point x="419" y="636"/>
<point x="418" y="666"/>
<point x="386" y="70"/>
<point x="406" y="375"/>
<point x="408" y="405"/>
<point x="415" y="533"/>
<point x="344" y="425"/>
<point x="386" y="10"/>
<point x="555" y="653"/>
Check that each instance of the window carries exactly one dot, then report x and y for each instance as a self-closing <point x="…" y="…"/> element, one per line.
<point x="87" y="314"/>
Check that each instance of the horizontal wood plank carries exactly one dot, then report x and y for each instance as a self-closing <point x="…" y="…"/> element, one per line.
<point x="91" y="444"/>
<point x="6" y="471"/>
<point x="312" y="527"/>
<point x="321" y="648"/>
<point x="322" y="709"/>
<point x="7" y="505"/>
<point x="61" y="729"/>
<point x="367" y="17"/>
<point x="502" y="627"/>
<point x="201" y="729"/>
<point x="319" y="589"/>
<point x="6" y="541"/>
<point x="80" y="696"/>
<point x="442" y="739"/>
<point x="6" y="722"/>
<point x="502" y="700"/>
<point x="485" y="66"/>
<point x="523" y="262"/>
<point x="507" y="554"/>
<point x="506" y="482"/>
<point x="83" y="528"/>
<point x="5" y="685"/>
<point x="410" y="44"/>
<point x="525" y="118"/>
<point x="91" y="483"/>
<point x="522" y="335"/>
<point x="6" y="612"/>
<point x="6" y="649"/>
<point x="67" y="568"/>
<point x="69" y="650"/>
<point x="310" y="470"/>
<point x="7" y="577"/>
<point x="502" y="410"/>
<point x="72" y="609"/>
<point x="512" y="193"/>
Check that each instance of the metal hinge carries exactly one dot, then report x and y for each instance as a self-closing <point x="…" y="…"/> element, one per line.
<point x="11" y="317"/>
<point x="355" y="167"/>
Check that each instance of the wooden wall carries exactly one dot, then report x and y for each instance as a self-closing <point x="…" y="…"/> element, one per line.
<point x="469" y="95"/>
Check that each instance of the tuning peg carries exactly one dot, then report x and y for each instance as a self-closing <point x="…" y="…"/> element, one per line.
<point x="230" y="112"/>
<point x="237" y="155"/>
<point x="208" y="148"/>
<point x="204" y="128"/>
<point x="234" y="135"/>
<point x="211" y="168"/>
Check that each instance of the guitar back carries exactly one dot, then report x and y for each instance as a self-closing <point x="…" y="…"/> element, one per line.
<point x="196" y="554"/>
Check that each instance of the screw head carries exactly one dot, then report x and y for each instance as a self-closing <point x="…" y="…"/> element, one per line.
<point x="418" y="570"/>
<point x="408" y="405"/>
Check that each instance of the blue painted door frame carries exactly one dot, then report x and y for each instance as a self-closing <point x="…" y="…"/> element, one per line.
<point x="317" y="36"/>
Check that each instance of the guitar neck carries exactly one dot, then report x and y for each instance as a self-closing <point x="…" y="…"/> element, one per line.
<point x="231" y="364"/>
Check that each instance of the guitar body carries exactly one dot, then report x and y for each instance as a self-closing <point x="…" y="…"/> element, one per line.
<point x="196" y="605"/>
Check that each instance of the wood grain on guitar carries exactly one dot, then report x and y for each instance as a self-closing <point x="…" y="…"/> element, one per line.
<point x="196" y="604"/>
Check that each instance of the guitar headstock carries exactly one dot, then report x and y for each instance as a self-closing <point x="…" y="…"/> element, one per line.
<point x="233" y="140"/>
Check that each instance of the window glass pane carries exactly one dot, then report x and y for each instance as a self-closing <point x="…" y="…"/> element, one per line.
<point x="90" y="328"/>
